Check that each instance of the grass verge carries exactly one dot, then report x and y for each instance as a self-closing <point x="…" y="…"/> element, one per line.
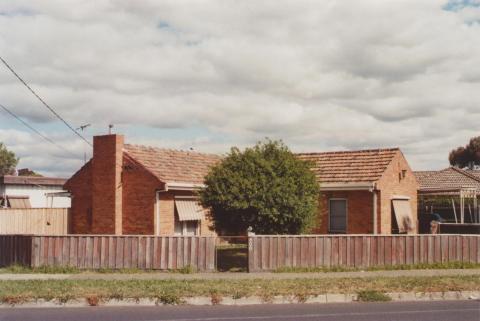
<point x="235" y="260"/>
<point x="20" y="269"/>
<point x="423" y="266"/>
<point x="172" y="291"/>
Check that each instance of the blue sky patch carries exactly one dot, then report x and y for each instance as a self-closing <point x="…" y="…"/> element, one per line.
<point x="456" y="5"/>
<point x="17" y="12"/>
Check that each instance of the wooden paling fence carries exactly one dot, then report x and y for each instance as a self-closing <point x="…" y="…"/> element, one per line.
<point x="111" y="252"/>
<point x="266" y="253"/>
<point x="45" y="221"/>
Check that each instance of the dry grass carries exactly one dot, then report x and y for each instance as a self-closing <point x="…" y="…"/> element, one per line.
<point x="171" y="291"/>
<point x="421" y="266"/>
<point x="20" y="269"/>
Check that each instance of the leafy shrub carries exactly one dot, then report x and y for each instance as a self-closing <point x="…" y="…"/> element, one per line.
<point x="265" y="187"/>
<point x="373" y="296"/>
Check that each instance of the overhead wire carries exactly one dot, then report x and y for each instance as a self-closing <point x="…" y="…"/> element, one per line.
<point x="44" y="103"/>
<point x="11" y="113"/>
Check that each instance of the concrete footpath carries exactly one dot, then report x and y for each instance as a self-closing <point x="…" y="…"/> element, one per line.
<point x="237" y="276"/>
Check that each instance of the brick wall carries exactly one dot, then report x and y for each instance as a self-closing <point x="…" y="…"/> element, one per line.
<point x="167" y="214"/>
<point x="206" y="227"/>
<point x="106" y="184"/>
<point x="393" y="183"/>
<point x="81" y="209"/>
<point x="139" y="199"/>
<point x="359" y="211"/>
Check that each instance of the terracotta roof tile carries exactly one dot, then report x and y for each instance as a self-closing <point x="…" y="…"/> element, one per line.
<point x="191" y="167"/>
<point x="173" y="165"/>
<point x="350" y="166"/>
<point x="32" y="180"/>
<point x="475" y="173"/>
<point x="449" y="178"/>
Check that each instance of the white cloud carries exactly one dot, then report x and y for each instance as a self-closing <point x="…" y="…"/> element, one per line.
<point x="320" y="75"/>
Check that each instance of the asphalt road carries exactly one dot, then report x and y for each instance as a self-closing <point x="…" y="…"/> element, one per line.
<point x="397" y="311"/>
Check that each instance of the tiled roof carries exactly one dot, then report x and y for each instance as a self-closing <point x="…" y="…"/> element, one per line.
<point x="449" y="178"/>
<point x="350" y="166"/>
<point x="422" y="176"/>
<point x="475" y="173"/>
<point x="173" y="165"/>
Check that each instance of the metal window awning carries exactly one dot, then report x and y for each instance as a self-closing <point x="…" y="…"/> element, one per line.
<point x="189" y="209"/>
<point x="403" y="215"/>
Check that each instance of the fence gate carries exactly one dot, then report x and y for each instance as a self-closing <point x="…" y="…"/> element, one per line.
<point x="231" y="254"/>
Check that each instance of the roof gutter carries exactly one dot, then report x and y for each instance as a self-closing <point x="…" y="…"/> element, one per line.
<point x="356" y="186"/>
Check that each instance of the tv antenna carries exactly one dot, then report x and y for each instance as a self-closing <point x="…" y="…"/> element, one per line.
<point x="82" y="128"/>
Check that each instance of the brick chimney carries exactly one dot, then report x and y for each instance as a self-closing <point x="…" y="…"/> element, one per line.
<point x="107" y="184"/>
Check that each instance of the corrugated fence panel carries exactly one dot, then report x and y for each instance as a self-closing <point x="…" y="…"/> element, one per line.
<point x="43" y="221"/>
<point x="267" y="252"/>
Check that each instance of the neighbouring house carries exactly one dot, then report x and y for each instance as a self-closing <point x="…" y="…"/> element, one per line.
<point x="32" y="192"/>
<point x="132" y="189"/>
<point x="451" y="193"/>
<point x="365" y="192"/>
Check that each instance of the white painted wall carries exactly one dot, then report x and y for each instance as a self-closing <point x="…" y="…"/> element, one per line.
<point x="37" y="194"/>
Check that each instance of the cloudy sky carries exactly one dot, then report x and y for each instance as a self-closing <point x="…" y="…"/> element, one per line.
<point x="321" y="75"/>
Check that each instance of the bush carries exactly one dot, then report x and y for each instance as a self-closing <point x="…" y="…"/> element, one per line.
<point x="170" y="299"/>
<point x="373" y="296"/>
<point x="264" y="187"/>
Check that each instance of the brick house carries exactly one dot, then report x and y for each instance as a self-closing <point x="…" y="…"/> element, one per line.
<point x="131" y="189"/>
<point x="366" y="191"/>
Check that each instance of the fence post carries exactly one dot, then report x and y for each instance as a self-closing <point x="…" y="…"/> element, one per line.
<point x="250" y="252"/>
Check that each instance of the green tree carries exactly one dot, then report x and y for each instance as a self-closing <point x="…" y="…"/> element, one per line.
<point x="8" y="161"/>
<point x="28" y="172"/>
<point x="468" y="156"/>
<point x="264" y="187"/>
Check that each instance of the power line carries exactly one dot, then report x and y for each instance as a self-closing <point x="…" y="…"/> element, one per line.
<point x="43" y="102"/>
<point x="11" y="113"/>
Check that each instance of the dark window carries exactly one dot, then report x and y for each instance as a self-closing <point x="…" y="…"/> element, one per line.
<point x="338" y="216"/>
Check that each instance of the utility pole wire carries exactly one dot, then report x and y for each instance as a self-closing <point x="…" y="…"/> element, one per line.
<point x="44" y="103"/>
<point x="11" y="113"/>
